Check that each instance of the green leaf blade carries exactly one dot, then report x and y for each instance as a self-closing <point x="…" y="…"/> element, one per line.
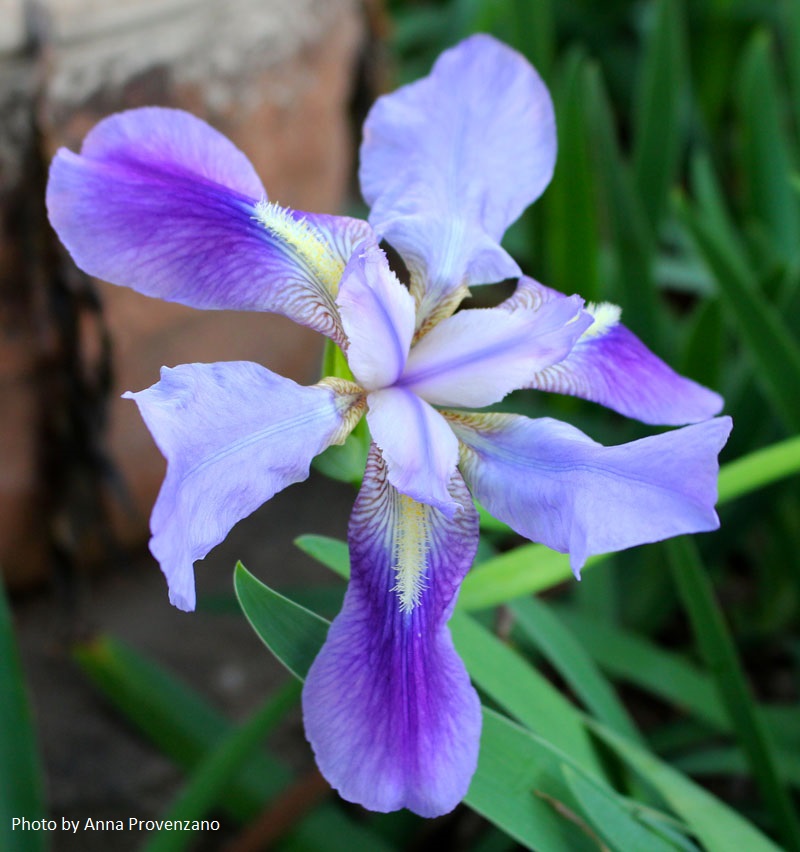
<point x="719" y="651"/>
<point x="567" y="655"/>
<point x="21" y="789"/>
<point x="293" y="633"/>
<point x="658" y="122"/>
<point x="774" y="353"/>
<point x="766" y="166"/>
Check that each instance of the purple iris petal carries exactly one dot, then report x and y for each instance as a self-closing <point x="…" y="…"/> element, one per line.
<point x="233" y="435"/>
<point x="613" y="367"/>
<point x="388" y="707"/>
<point x="448" y="162"/>
<point x="161" y="202"/>
<point x="444" y="257"/>
<point x="377" y="314"/>
<point x="478" y="356"/>
<point x="419" y="447"/>
<point x="552" y="484"/>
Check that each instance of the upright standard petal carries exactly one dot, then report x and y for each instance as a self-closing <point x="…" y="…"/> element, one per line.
<point x="478" y="356"/>
<point x="233" y="435"/>
<point x="377" y="314"/>
<point x="161" y="202"/>
<point x="388" y="706"/>
<point x="611" y="366"/>
<point x="448" y="162"/>
<point x="553" y="484"/>
<point x="420" y="449"/>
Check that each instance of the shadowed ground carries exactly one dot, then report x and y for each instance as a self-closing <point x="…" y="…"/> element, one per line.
<point x="96" y="765"/>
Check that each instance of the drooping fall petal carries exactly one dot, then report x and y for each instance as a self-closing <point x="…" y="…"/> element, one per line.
<point x="388" y="706"/>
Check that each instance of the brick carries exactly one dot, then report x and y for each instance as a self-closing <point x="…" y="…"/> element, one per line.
<point x="273" y="75"/>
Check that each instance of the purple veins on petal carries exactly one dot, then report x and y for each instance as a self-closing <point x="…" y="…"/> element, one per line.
<point x="554" y="485"/>
<point x="611" y="366"/>
<point x="233" y="434"/>
<point x="388" y="706"/>
<point x="159" y="201"/>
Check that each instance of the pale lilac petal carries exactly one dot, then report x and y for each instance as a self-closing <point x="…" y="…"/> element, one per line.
<point x="553" y="484"/>
<point x="467" y="149"/>
<point x="233" y="435"/>
<point x="161" y="202"/>
<point x="445" y="256"/>
<point x="478" y="356"/>
<point x="377" y="314"/>
<point x="387" y="705"/>
<point x="419" y="447"/>
<point x="611" y="366"/>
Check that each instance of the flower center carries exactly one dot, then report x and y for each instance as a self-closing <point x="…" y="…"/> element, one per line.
<point x="305" y="242"/>
<point x="410" y="552"/>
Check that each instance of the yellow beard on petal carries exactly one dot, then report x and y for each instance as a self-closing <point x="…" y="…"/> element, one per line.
<point x="410" y="552"/>
<point x="305" y="240"/>
<point x="606" y="316"/>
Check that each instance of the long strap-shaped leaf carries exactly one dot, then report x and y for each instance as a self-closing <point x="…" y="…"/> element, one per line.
<point x="719" y="651"/>
<point x="774" y="353"/>
<point x="524" y="784"/>
<point x="21" y="793"/>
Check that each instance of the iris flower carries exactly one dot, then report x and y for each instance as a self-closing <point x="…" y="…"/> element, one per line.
<point x="160" y="202"/>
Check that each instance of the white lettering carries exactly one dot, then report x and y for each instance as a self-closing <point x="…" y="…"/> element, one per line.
<point x="25" y="824"/>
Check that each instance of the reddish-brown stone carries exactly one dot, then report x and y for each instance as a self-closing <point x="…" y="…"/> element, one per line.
<point x="279" y="88"/>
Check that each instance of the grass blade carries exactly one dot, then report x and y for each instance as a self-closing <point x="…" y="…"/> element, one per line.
<point x="219" y="766"/>
<point x="730" y="761"/>
<point x="571" y="229"/>
<point x="293" y="633"/>
<point x="632" y="238"/>
<point x="186" y="728"/>
<point x="331" y="552"/>
<point x="718" y="827"/>
<point x="657" y="135"/>
<point x="719" y="652"/>
<point x="180" y="723"/>
<point x="505" y="676"/>
<point x="766" y="162"/>
<point x="759" y="468"/>
<point x="21" y="792"/>
<point x="775" y="355"/>
<point x="633" y="659"/>
<point x="567" y="656"/>
<point x="611" y="818"/>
